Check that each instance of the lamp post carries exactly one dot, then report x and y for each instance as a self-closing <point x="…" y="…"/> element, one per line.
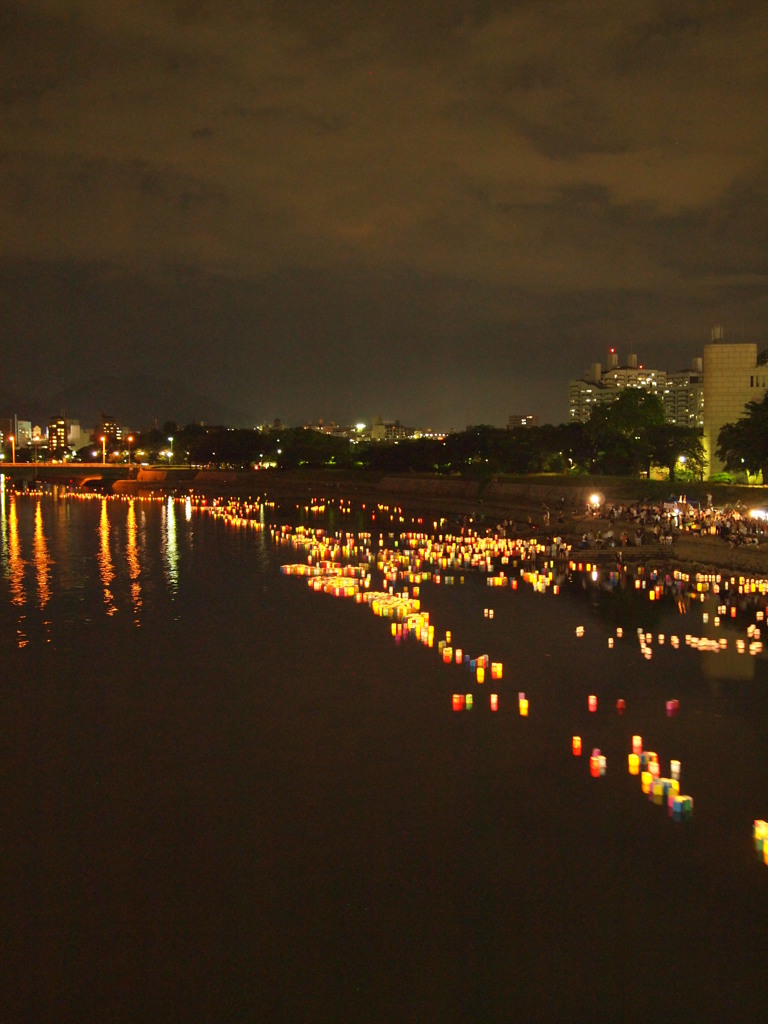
<point x="130" y="442"/>
<point x="12" y="439"/>
<point x="103" y="440"/>
<point x="170" y="452"/>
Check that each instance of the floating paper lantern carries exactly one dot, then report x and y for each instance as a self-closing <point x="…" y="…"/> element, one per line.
<point x="579" y="631"/>
<point x="459" y="656"/>
<point x="447" y="655"/>
<point x="610" y="641"/>
<point x="480" y="674"/>
<point x="654" y="768"/>
<point x="682" y="808"/>
<point x="634" y="764"/>
<point x="760" y="835"/>
<point x="576" y="746"/>
<point x="637" y="745"/>
<point x="468" y="701"/>
<point x="458" y="702"/>
<point x="674" y="769"/>
<point x="494" y="702"/>
<point x="619" y="632"/>
<point x="673" y="706"/>
<point x="592" y="702"/>
<point x="621" y="705"/>
<point x="523" y="708"/>
<point x="594" y="766"/>
<point x="496" y="668"/>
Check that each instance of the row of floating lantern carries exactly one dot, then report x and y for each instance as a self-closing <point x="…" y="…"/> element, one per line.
<point x="672" y="707"/>
<point x="340" y="588"/>
<point x="466" y="701"/>
<point x="660" y="790"/>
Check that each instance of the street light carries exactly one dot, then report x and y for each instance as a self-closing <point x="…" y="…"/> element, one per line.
<point x="170" y="453"/>
<point x="130" y="442"/>
<point x="12" y="439"/>
<point x="103" y="440"/>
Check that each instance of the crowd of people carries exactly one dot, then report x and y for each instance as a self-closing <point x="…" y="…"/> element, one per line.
<point x="661" y="523"/>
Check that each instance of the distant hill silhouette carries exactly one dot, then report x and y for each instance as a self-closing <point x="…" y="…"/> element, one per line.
<point x="137" y="402"/>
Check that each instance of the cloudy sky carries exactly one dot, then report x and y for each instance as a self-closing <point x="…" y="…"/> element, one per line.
<point x="431" y="211"/>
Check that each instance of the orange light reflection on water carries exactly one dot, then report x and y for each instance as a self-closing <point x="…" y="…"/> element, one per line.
<point x="104" y="557"/>
<point x="134" y="564"/>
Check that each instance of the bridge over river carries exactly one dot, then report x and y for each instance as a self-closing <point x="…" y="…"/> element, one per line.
<point x="119" y="478"/>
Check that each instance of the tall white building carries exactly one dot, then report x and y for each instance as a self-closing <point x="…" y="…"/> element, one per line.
<point x="680" y="392"/>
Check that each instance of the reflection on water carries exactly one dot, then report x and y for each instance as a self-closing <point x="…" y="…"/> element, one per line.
<point x="134" y="563"/>
<point x="170" y="548"/>
<point x="42" y="561"/>
<point x="15" y="572"/>
<point x="15" y="561"/>
<point x="3" y="525"/>
<point x="106" y="568"/>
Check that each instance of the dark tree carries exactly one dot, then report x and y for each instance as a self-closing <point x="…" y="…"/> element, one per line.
<point x="743" y="446"/>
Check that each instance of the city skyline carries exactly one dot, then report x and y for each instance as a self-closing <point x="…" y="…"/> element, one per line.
<point x="344" y="212"/>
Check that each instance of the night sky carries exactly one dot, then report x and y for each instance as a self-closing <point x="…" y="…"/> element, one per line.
<point x="430" y="211"/>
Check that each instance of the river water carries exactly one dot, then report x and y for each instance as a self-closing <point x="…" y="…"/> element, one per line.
<point x="227" y="797"/>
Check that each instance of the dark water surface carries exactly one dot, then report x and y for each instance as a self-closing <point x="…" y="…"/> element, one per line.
<point x="228" y="798"/>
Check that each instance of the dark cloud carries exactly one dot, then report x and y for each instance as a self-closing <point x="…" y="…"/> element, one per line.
<point x="341" y="210"/>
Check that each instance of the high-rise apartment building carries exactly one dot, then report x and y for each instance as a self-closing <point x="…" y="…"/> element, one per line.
<point x="57" y="437"/>
<point x="108" y="428"/>
<point x="680" y="392"/>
